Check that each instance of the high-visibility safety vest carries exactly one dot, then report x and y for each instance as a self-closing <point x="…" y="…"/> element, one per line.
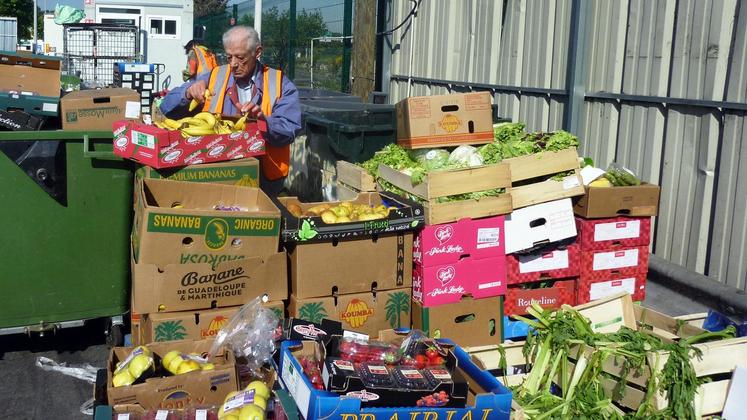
<point x="206" y="61"/>
<point x="275" y="161"/>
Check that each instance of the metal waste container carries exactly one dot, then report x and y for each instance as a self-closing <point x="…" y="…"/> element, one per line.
<point x="335" y="130"/>
<point x="66" y="216"/>
<point x="309" y="94"/>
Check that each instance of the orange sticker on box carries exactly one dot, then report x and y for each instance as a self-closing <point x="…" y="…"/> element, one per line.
<point x="450" y="123"/>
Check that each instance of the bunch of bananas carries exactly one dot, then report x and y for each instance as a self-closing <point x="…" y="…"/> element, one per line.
<point x="202" y="124"/>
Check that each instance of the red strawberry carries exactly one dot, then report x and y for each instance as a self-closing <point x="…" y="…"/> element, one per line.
<point x="421" y="361"/>
<point x="431" y="353"/>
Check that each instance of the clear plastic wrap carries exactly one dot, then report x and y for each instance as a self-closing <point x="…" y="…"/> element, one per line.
<point x="250" y="334"/>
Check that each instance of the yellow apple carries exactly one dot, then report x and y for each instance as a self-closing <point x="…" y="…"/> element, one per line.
<point x="168" y="357"/>
<point x="139" y="364"/>
<point x="260" y="389"/>
<point x="187" y="366"/>
<point x="122" y="378"/>
<point x="251" y="412"/>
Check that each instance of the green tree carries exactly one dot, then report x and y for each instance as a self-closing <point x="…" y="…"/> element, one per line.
<point x="312" y="312"/>
<point x="397" y="304"/>
<point x="170" y="330"/>
<point x="23" y="10"/>
<point x="209" y="7"/>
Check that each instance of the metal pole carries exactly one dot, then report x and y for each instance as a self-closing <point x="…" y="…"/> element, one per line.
<point x="258" y="17"/>
<point x="33" y="46"/>
<point x="291" y="69"/>
<point x="347" y="30"/>
<point x="311" y="67"/>
<point x="575" y="77"/>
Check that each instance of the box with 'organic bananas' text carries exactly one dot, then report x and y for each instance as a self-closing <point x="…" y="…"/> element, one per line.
<point x="187" y="222"/>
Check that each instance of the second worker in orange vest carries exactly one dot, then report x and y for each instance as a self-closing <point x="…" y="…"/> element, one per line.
<point x="245" y="85"/>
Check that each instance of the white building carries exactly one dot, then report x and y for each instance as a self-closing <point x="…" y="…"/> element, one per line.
<point x="166" y="26"/>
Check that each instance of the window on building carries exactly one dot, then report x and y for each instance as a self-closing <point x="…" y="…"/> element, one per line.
<point x="163" y="27"/>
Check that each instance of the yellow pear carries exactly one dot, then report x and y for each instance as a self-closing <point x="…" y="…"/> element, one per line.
<point x="329" y="217"/>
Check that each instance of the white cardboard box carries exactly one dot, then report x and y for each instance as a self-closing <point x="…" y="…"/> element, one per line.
<point x="541" y="223"/>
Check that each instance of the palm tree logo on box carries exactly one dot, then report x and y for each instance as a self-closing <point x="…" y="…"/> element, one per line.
<point x="170" y="330"/>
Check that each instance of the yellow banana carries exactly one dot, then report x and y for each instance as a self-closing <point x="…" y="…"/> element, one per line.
<point x="194" y="103"/>
<point x="239" y="126"/>
<point x="171" y="124"/>
<point x="222" y="129"/>
<point x="207" y="117"/>
<point x="161" y="125"/>
<point x="197" y="122"/>
<point x="198" y="131"/>
<point x="228" y="124"/>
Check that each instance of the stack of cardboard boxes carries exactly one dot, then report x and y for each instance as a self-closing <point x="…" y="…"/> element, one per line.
<point x="30" y="83"/>
<point x="194" y="265"/>
<point x="614" y="235"/>
<point x="356" y="273"/>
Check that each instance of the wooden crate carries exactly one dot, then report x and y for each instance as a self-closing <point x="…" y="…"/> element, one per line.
<point x="355" y="177"/>
<point x="345" y="192"/>
<point x="453" y="182"/>
<point x="540" y="165"/>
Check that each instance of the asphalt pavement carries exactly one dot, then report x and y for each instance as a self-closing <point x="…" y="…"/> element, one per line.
<point x="28" y="392"/>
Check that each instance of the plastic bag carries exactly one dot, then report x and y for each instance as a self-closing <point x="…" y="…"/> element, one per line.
<point x="430" y="159"/>
<point x="84" y="372"/>
<point x="466" y="155"/>
<point x="620" y="176"/>
<point x="251" y="334"/>
<point x="67" y="14"/>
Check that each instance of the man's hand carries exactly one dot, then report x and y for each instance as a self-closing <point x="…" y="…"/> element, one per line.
<point x="197" y="91"/>
<point x="252" y="110"/>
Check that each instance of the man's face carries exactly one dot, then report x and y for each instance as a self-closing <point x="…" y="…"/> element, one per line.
<point x="242" y="62"/>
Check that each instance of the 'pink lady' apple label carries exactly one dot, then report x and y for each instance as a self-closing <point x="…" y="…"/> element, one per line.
<point x="239" y="400"/>
<point x="162" y="415"/>
<point x="201" y="414"/>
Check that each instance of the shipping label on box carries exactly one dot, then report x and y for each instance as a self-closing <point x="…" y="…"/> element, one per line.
<point x="367" y="313"/>
<point x="186" y="222"/>
<point x="605" y="261"/>
<point x="518" y="299"/>
<point x="444" y="120"/>
<point x="471" y="322"/>
<point x="200" y="387"/>
<point x="599" y="234"/>
<point x="554" y="263"/>
<point x="598" y="286"/>
<point x="355" y="266"/>
<point x="447" y="243"/>
<point x="539" y="224"/>
<point x="159" y="148"/>
<point x="448" y="283"/>
<point x="182" y="287"/>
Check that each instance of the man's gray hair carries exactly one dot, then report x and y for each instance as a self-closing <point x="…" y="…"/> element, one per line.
<point x="245" y="33"/>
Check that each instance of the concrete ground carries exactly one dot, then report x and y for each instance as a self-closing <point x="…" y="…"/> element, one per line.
<point x="28" y="392"/>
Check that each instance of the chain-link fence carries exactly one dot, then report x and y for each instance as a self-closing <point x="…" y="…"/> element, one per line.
<point x="310" y="48"/>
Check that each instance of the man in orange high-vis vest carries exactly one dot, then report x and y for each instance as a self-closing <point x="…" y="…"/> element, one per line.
<point x="247" y="86"/>
<point x="199" y="60"/>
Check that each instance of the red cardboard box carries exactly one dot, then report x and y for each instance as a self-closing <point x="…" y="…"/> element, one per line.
<point x="598" y="234"/>
<point x="602" y="284"/>
<point x="518" y="299"/>
<point x="561" y="262"/>
<point x="448" y="283"/>
<point x="159" y="148"/>
<point x="614" y="259"/>
<point x="447" y="243"/>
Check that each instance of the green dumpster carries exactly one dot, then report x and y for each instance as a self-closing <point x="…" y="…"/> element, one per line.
<point x="66" y="214"/>
<point x="336" y="130"/>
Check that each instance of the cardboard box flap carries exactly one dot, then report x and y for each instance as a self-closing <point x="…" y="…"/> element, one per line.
<point x="600" y="202"/>
<point x="99" y="96"/>
<point x="167" y="194"/>
<point x="543" y="163"/>
<point x="180" y="287"/>
<point x="21" y="58"/>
